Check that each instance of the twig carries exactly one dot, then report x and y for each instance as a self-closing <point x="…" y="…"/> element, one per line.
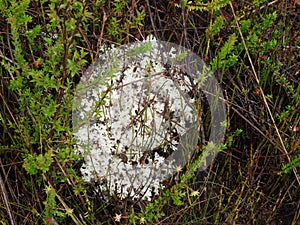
<point x="260" y="8"/>
<point x="6" y="202"/>
<point x="262" y="93"/>
<point x="13" y="118"/>
<point x="236" y="109"/>
<point x="151" y="19"/>
<point x="66" y="207"/>
<point x="256" y="128"/>
<point x="70" y="181"/>
<point x="7" y="59"/>
<point x="99" y="43"/>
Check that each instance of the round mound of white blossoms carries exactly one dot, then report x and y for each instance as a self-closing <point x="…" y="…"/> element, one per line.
<point x="135" y="117"/>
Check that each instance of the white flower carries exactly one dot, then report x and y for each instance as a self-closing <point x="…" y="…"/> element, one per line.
<point x="195" y="193"/>
<point x="178" y="169"/>
<point x="142" y="220"/>
<point x="118" y="217"/>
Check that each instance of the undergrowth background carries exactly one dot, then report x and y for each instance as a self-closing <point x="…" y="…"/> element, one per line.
<point x="46" y="46"/>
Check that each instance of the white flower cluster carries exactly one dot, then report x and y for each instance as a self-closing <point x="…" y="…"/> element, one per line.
<point x="135" y="119"/>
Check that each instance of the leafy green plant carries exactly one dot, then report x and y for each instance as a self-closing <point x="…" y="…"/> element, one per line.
<point x="287" y="168"/>
<point x="178" y="194"/>
<point x="42" y="90"/>
<point x="226" y="56"/>
<point x="47" y="52"/>
<point x="118" y="14"/>
<point x="200" y="5"/>
<point x="33" y="163"/>
<point x="51" y="205"/>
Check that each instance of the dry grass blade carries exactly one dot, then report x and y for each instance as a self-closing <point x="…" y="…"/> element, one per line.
<point x="6" y="201"/>
<point x="262" y="93"/>
<point x="66" y="207"/>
